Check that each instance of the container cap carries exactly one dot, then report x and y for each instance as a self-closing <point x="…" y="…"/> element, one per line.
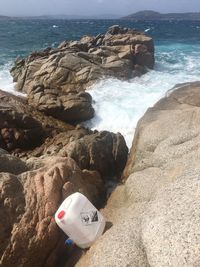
<point x="61" y="214"/>
<point x="69" y="242"/>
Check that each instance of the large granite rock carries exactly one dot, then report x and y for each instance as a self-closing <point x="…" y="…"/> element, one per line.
<point x="21" y="126"/>
<point x="32" y="189"/>
<point x="104" y="152"/>
<point x="156" y="213"/>
<point x="29" y="236"/>
<point x="17" y="128"/>
<point x="27" y="132"/>
<point x="55" y="78"/>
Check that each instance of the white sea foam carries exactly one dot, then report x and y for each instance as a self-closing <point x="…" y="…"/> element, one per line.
<point x="147" y="30"/>
<point x="120" y="104"/>
<point x="6" y="81"/>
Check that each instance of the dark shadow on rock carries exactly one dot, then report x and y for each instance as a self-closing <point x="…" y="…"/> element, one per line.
<point x="108" y="226"/>
<point x="72" y="257"/>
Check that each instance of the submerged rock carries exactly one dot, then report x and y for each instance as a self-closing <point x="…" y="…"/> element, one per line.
<point x="54" y="78"/>
<point x="156" y="213"/>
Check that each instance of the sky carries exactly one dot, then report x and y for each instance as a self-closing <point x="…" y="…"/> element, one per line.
<point x="94" y="7"/>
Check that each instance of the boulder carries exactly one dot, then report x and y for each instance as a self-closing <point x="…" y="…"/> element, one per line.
<point x="29" y="236"/>
<point x="155" y="214"/>
<point x="104" y="152"/>
<point x="71" y="107"/>
<point x="54" y="78"/>
<point x="26" y="133"/>
<point x="17" y="128"/>
<point x="11" y="164"/>
<point x="21" y="126"/>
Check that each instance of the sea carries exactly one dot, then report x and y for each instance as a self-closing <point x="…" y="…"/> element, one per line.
<point x="118" y="104"/>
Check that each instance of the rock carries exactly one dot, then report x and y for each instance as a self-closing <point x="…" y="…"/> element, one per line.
<point x="11" y="164"/>
<point x="156" y="213"/>
<point x="72" y="107"/>
<point x="17" y="128"/>
<point x="143" y="56"/>
<point x="115" y="29"/>
<point x="29" y="235"/>
<point x="26" y="133"/>
<point x="54" y="78"/>
<point x="21" y="126"/>
<point x="104" y="152"/>
<point x="170" y="112"/>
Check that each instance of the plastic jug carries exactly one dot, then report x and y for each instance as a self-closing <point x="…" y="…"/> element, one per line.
<point x="80" y="220"/>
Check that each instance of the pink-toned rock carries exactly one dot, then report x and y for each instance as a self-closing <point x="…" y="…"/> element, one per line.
<point x="103" y="151"/>
<point x="29" y="236"/>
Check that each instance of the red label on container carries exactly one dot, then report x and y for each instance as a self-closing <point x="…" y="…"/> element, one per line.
<point x="61" y="214"/>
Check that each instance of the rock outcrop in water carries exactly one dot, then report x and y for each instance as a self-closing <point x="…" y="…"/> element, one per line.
<point x="156" y="213"/>
<point x="54" y="79"/>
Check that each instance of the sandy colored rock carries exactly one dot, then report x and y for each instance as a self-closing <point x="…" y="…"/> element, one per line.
<point x="156" y="213"/>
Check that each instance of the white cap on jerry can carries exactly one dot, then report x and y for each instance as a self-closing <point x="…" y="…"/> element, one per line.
<point x="80" y="220"/>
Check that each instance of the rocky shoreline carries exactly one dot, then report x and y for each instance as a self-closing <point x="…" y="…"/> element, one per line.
<point x="155" y="213"/>
<point x="55" y="79"/>
<point x="45" y="155"/>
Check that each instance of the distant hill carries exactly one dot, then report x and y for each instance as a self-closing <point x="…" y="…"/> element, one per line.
<point x="152" y="15"/>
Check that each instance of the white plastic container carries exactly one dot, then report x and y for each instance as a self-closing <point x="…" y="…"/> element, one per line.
<point x="80" y="220"/>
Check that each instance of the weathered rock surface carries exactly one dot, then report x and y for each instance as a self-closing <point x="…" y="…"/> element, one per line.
<point x="104" y="152"/>
<point x="21" y="126"/>
<point x="32" y="190"/>
<point x="70" y="107"/>
<point x="29" y="236"/>
<point x="17" y="128"/>
<point x="55" y="78"/>
<point x="156" y="213"/>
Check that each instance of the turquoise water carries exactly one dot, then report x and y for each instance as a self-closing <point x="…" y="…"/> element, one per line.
<point x="20" y="37"/>
<point x="118" y="104"/>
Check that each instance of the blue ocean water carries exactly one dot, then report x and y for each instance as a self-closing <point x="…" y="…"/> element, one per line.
<point x="118" y="104"/>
